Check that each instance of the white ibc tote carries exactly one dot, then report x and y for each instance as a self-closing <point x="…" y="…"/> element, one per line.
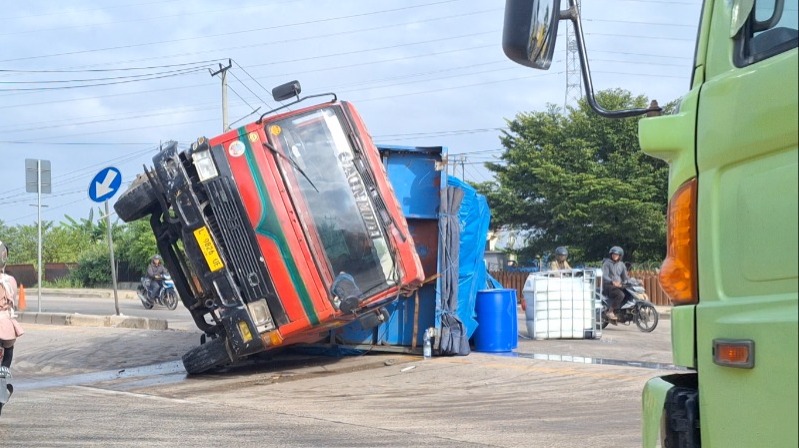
<point x="563" y="304"/>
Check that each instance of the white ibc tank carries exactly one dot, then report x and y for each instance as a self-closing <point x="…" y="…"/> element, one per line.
<point x="562" y="305"/>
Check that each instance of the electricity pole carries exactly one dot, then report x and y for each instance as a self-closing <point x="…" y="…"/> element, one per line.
<point x="223" y="71"/>
<point x="574" y="83"/>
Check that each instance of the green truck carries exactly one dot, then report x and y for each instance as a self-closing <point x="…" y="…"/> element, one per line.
<point x="731" y="264"/>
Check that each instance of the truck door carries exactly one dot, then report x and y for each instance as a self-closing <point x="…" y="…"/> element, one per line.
<point x="747" y="225"/>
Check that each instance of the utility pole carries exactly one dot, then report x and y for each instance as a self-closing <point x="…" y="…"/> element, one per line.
<point x="574" y="83"/>
<point x="223" y="71"/>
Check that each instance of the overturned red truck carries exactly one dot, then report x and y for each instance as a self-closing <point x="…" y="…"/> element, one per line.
<point x="278" y="231"/>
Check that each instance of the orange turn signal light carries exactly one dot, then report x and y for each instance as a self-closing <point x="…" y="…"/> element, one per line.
<point x="734" y="353"/>
<point x="272" y="338"/>
<point x="678" y="273"/>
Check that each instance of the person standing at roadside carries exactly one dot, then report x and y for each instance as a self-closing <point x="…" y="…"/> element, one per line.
<point x="10" y="329"/>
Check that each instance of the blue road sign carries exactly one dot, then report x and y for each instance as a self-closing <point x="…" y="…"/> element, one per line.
<point x="105" y="184"/>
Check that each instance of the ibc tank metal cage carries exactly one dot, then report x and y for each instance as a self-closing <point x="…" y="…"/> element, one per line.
<point x="564" y="304"/>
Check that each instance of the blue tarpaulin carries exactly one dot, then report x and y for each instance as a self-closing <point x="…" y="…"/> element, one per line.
<point x="474" y="218"/>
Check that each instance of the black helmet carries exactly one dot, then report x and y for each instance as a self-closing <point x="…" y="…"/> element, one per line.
<point x="561" y="250"/>
<point x="616" y="250"/>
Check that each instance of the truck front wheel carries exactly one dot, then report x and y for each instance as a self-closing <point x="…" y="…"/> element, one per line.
<point x="138" y="201"/>
<point x="207" y="356"/>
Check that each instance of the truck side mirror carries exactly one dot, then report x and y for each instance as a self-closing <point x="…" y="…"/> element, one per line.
<point x="285" y="91"/>
<point x="530" y="32"/>
<point x="529" y="35"/>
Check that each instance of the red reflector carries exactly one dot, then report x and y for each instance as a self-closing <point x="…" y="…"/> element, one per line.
<point x="734" y="353"/>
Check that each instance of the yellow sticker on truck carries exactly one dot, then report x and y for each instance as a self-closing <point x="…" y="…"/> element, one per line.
<point x="207" y="246"/>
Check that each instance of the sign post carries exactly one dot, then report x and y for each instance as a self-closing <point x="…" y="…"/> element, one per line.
<point x="37" y="180"/>
<point x="103" y="186"/>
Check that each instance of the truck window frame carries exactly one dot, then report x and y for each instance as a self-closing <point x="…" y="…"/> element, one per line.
<point x="747" y="42"/>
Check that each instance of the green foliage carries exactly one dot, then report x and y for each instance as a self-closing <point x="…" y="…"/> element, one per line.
<point x="63" y="244"/>
<point x="23" y="243"/>
<point x="63" y="282"/>
<point x="94" y="266"/>
<point x="83" y="241"/>
<point x="137" y="244"/>
<point x="581" y="181"/>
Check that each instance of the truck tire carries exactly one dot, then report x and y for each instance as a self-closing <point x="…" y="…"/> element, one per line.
<point x="138" y="201"/>
<point x="205" y="357"/>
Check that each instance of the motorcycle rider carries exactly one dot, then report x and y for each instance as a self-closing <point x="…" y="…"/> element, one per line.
<point x="155" y="272"/>
<point x="560" y="263"/>
<point x="614" y="275"/>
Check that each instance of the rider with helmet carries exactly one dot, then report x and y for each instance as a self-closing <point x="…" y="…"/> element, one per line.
<point x="614" y="275"/>
<point x="155" y="272"/>
<point x="559" y="263"/>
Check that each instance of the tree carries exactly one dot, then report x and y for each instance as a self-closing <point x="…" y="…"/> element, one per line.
<point x="137" y="244"/>
<point x="581" y="180"/>
<point x="94" y="266"/>
<point x="23" y="242"/>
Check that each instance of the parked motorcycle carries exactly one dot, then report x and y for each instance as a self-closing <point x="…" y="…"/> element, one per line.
<point x="167" y="296"/>
<point x="634" y="308"/>
<point x="6" y="389"/>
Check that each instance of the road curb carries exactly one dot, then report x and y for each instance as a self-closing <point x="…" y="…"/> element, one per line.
<point x="84" y="293"/>
<point x="89" y="320"/>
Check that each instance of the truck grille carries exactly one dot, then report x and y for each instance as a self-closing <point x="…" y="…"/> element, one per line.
<point x="239" y="248"/>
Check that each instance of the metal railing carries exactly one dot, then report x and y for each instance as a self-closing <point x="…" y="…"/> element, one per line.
<point x="515" y="280"/>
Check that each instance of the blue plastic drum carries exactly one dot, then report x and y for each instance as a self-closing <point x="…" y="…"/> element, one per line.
<point x="497" y="322"/>
<point x="515" y="320"/>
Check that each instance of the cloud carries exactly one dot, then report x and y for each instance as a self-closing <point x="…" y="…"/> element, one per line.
<point x="416" y="71"/>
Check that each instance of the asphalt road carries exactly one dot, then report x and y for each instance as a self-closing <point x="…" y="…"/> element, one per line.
<point x="83" y="386"/>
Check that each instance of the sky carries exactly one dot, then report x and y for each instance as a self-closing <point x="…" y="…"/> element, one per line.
<point x="88" y="84"/>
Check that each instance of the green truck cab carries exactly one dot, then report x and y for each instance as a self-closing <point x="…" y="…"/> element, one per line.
<point x="731" y="265"/>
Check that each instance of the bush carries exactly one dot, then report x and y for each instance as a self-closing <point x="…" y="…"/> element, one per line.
<point x="94" y="267"/>
<point x="63" y="283"/>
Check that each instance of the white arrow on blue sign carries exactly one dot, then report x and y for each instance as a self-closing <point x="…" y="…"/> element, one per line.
<point x="105" y="184"/>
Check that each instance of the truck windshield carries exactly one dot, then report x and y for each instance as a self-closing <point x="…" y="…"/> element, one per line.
<point x="321" y="165"/>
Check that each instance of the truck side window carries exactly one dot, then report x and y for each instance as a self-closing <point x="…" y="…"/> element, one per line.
<point x="758" y="41"/>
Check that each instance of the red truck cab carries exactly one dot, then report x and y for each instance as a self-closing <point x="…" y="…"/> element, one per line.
<point x="278" y="231"/>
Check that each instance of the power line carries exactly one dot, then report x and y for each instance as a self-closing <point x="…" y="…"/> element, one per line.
<point x="231" y="33"/>
<point x="183" y="15"/>
<point x="86" y="10"/>
<point x="142" y="78"/>
<point x="116" y="69"/>
<point x="10" y="194"/>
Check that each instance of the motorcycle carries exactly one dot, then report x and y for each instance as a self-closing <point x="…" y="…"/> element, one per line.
<point x="634" y="308"/>
<point x="167" y="296"/>
<point x="6" y="389"/>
